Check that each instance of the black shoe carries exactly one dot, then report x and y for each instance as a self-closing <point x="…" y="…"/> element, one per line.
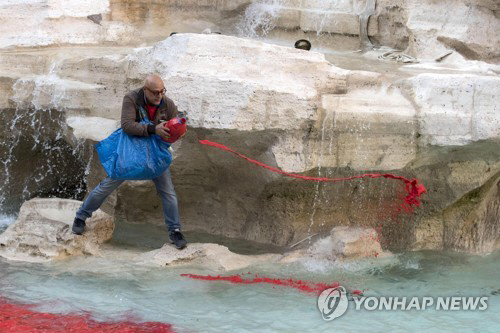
<point x="78" y="226"/>
<point x="177" y="239"/>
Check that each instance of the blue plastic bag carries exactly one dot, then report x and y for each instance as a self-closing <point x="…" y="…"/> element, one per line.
<point x="126" y="156"/>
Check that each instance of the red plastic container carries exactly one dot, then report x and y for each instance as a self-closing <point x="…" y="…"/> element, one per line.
<point x="177" y="127"/>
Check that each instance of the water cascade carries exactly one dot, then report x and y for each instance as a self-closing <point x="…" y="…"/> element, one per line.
<point x="37" y="158"/>
<point x="259" y="18"/>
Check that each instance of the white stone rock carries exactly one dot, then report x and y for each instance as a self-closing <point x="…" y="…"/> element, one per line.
<point x="51" y="91"/>
<point x="376" y="128"/>
<point x="274" y="88"/>
<point x="81" y="8"/>
<point x="455" y="109"/>
<point x="348" y="242"/>
<point x="278" y="88"/>
<point x="42" y="231"/>
<point x="321" y="5"/>
<point x="342" y="243"/>
<point x="363" y="129"/>
<point x="55" y="22"/>
<point x="211" y="256"/>
<point x="436" y="27"/>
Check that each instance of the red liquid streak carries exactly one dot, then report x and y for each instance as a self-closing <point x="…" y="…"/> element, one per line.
<point x="308" y="287"/>
<point x="19" y="318"/>
<point x="413" y="189"/>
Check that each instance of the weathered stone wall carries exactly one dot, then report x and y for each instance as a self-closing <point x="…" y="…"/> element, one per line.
<point x="428" y="29"/>
<point x="285" y="107"/>
<point x="424" y="29"/>
<point x="345" y="122"/>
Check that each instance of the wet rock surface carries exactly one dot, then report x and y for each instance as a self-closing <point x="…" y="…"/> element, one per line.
<point x="37" y="159"/>
<point x="343" y="243"/>
<point x="211" y="256"/>
<point x="42" y="231"/>
<point x="291" y="109"/>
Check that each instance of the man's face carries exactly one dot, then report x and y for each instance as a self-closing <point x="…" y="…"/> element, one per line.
<point x="154" y="92"/>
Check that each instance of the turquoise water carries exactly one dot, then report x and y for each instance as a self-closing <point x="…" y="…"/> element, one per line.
<point x="114" y="289"/>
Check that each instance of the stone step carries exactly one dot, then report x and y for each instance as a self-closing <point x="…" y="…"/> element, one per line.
<point x="336" y="22"/>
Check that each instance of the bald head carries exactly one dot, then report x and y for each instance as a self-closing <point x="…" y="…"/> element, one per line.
<point x="153" y="81"/>
<point x="153" y="89"/>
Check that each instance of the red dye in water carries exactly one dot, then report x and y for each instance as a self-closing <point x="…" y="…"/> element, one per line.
<point x="305" y="286"/>
<point x="413" y="189"/>
<point x="19" y="318"/>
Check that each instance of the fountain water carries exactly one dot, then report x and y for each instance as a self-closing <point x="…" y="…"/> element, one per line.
<point x="110" y="288"/>
<point x="327" y="130"/>
<point x="259" y="18"/>
<point x="37" y="158"/>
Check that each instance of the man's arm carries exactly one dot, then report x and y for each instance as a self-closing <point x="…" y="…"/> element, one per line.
<point x="128" y="123"/>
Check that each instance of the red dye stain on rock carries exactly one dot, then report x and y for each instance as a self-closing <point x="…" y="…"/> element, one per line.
<point x="304" y="286"/>
<point x="20" y="318"/>
<point x="413" y="189"/>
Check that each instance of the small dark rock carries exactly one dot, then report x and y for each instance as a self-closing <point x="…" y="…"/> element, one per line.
<point x="96" y="18"/>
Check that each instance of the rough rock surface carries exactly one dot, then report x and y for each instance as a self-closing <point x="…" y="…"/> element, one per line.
<point x="286" y="108"/>
<point x="461" y="181"/>
<point x="342" y="243"/>
<point x="211" y="256"/>
<point x="436" y="121"/>
<point x="456" y="109"/>
<point x="428" y="29"/>
<point x="43" y="231"/>
<point x="471" y="224"/>
<point x="58" y="22"/>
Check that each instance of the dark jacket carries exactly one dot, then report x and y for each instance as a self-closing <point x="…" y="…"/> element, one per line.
<point x="132" y="102"/>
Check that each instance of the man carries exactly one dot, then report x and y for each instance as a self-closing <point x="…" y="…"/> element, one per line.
<point x="151" y="98"/>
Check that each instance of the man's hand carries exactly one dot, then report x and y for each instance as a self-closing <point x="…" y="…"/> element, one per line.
<point x="162" y="131"/>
